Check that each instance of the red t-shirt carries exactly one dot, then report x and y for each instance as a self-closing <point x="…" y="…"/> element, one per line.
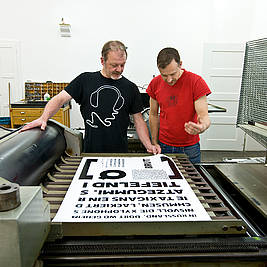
<point x="177" y="106"/>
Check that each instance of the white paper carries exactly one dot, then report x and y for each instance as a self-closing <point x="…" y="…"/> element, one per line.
<point x="129" y="189"/>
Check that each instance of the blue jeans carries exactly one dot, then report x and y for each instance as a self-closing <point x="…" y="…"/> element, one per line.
<point x="193" y="152"/>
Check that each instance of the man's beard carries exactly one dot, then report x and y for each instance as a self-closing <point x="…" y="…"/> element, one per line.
<point x="115" y="75"/>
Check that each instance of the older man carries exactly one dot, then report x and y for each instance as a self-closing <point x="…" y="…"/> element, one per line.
<point x="106" y="99"/>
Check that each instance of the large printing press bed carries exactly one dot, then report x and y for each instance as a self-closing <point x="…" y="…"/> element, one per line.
<point x="233" y="195"/>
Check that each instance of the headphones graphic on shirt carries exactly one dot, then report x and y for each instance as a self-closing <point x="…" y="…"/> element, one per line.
<point x="94" y="101"/>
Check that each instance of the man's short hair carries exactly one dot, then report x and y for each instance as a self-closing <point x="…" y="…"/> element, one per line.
<point x="165" y="57"/>
<point x="114" y="46"/>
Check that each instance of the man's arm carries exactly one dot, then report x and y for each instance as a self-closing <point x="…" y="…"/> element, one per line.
<point x="154" y="120"/>
<point x="50" y="110"/>
<point x="142" y="131"/>
<point x="201" y="107"/>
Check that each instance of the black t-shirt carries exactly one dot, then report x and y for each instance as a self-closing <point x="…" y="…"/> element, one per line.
<point x="105" y="105"/>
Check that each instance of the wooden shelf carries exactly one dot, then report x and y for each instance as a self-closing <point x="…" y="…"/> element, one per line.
<point x="37" y="90"/>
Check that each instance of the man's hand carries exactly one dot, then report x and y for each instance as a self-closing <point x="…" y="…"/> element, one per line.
<point x="51" y="108"/>
<point x="154" y="149"/>
<point x="36" y="123"/>
<point x="203" y="120"/>
<point x="196" y="128"/>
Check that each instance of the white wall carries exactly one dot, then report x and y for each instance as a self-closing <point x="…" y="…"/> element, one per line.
<point x="145" y="26"/>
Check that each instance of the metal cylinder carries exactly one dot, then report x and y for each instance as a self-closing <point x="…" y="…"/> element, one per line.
<point x="26" y="157"/>
<point x="9" y="196"/>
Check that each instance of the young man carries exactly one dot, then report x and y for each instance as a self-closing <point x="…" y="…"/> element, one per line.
<point x="106" y="99"/>
<point x="180" y="97"/>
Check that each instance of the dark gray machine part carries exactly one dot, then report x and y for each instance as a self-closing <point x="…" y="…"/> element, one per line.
<point x="9" y="196"/>
<point x="26" y="157"/>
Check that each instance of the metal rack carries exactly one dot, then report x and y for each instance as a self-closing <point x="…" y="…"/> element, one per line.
<point x="253" y="95"/>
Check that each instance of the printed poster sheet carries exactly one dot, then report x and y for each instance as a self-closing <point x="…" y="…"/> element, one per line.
<point x="130" y="189"/>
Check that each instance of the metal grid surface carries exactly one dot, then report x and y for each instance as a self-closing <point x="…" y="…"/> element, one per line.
<point x="253" y="94"/>
<point x="56" y="187"/>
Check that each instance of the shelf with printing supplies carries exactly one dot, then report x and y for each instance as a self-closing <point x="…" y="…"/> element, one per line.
<point x="35" y="91"/>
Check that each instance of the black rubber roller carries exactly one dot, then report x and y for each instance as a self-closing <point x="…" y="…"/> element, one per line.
<point x="26" y="157"/>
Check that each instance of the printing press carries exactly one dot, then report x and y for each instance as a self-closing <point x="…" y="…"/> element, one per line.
<point x="44" y="163"/>
<point x="36" y="173"/>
